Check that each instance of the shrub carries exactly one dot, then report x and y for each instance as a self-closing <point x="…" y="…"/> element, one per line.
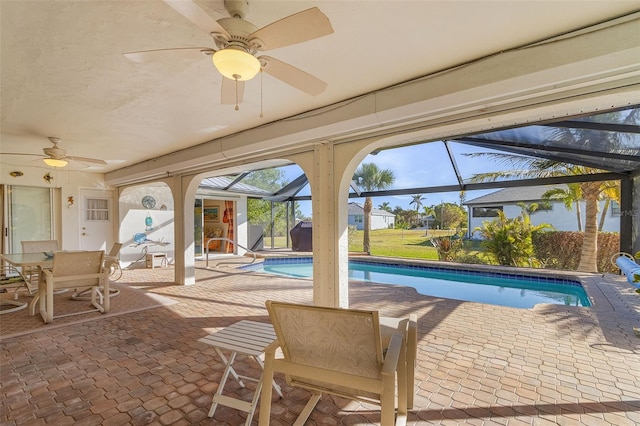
<point x="562" y="249"/>
<point x="351" y="233"/>
<point x="447" y="247"/>
<point x="508" y="240"/>
<point x="469" y="258"/>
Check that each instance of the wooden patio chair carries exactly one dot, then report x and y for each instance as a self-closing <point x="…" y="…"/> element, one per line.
<point x="74" y="270"/>
<point x="408" y="328"/>
<point x="112" y="262"/>
<point x="335" y="351"/>
<point x="114" y="272"/>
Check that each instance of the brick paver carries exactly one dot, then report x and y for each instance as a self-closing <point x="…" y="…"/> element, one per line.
<point x="477" y="364"/>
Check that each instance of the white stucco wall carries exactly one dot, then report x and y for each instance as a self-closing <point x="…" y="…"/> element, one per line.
<point x="377" y="222"/>
<point x="561" y="218"/>
<point x="69" y="183"/>
<point x="381" y="222"/>
<point x="132" y="221"/>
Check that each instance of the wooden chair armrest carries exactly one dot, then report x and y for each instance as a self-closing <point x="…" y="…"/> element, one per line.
<point x="75" y="277"/>
<point x="393" y="354"/>
<point x="272" y="348"/>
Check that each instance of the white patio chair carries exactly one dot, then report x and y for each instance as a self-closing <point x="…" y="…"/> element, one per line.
<point x="114" y="272"/>
<point x="77" y="269"/>
<point x="112" y="262"/>
<point x="408" y="328"/>
<point x="31" y="275"/>
<point x="336" y="351"/>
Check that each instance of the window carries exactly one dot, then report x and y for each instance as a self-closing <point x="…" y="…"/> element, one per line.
<point x="615" y="209"/>
<point x="97" y="209"/>
<point x="486" y="211"/>
<point x="358" y="218"/>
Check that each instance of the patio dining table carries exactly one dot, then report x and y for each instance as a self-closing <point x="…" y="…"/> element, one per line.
<point x="20" y="261"/>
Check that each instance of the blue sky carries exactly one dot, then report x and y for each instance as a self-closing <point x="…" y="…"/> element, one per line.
<point x="423" y="165"/>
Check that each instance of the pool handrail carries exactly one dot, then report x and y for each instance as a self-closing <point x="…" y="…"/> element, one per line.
<point x="223" y="239"/>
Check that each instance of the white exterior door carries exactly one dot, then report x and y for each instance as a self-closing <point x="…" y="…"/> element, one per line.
<point x="96" y="224"/>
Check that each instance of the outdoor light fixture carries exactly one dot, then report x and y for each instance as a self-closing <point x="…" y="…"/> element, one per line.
<point x="236" y="64"/>
<point x="54" y="162"/>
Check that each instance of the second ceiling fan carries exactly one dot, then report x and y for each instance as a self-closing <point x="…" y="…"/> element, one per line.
<point x="238" y="43"/>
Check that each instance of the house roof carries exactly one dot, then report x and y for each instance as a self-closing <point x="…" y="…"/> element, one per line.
<point x="356" y="208"/>
<point x="513" y="195"/>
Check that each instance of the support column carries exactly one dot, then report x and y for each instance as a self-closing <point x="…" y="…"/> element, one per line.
<point x="630" y="215"/>
<point x="184" y="199"/>
<point x="330" y="261"/>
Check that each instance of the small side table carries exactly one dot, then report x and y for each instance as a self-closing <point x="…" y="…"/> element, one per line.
<point x="248" y="338"/>
<point x="156" y="260"/>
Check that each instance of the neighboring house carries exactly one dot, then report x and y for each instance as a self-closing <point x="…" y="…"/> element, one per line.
<point x="380" y="219"/>
<point x="485" y="208"/>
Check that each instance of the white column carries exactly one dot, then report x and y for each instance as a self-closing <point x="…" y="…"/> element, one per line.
<point x="328" y="287"/>
<point x="183" y="189"/>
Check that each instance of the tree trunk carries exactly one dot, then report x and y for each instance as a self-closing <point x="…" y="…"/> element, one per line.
<point x="579" y="216"/>
<point x="589" y="254"/>
<point x="603" y="216"/>
<point x="366" y="244"/>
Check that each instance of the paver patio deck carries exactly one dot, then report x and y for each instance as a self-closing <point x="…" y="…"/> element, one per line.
<point x="477" y="364"/>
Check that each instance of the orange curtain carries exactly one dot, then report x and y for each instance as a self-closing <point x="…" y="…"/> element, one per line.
<point x="228" y="214"/>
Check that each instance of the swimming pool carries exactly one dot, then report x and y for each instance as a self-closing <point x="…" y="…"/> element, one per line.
<point x="514" y="290"/>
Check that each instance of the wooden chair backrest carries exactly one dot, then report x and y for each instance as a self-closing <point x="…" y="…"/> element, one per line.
<point x="77" y="263"/>
<point x="115" y="249"/>
<point x="344" y="340"/>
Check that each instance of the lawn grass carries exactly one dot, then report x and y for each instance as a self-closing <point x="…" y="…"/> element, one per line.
<point x="406" y="243"/>
<point x="402" y="243"/>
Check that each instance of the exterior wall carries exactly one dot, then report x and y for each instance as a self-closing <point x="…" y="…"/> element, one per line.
<point x="69" y="183"/>
<point x="356" y="220"/>
<point x="561" y="218"/>
<point x="381" y="222"/>
<point x="377" y="222"/>
<point x="161" y="238"/>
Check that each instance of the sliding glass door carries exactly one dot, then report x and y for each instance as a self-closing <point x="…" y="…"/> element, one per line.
<point x="29" y="215"/>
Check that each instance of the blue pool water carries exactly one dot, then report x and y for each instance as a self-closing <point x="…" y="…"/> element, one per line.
<point x="518" y="291"/>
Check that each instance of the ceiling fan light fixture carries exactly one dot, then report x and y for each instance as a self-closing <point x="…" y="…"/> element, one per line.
<point x="236" y="64"/>
<point x="54" y="162"/>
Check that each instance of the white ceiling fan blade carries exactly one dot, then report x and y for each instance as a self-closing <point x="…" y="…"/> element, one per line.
<point x="86" y="160"/>
<point x="197" y="16"/>
<point x="293" y="76"/>
<point x="293" y="29"/>
<point x="229" y="91"/>
<point x="20" y="153"/>
<point x="186" y="53"/>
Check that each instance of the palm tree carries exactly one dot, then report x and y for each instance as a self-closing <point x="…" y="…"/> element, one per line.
<point x="385" y="206"/>
<point x="428" y="212"/>
<point x="571" y="195"/>
<point x="417" y="200"/>
<point x="528" y="167"/>
<point x="610" y="192"/>
<point x="369" y="178"/>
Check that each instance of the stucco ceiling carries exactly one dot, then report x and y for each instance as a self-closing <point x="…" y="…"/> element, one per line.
<point x="63" y="72"/>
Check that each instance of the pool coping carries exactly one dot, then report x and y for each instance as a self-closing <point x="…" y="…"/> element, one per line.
<point x="596" y="285"/>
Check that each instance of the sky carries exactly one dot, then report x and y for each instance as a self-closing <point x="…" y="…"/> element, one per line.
<point x="423" y="165"/>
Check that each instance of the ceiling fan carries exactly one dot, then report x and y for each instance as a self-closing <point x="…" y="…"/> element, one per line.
<point x="238" y="43"/>
<point x="57" y="157"/>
